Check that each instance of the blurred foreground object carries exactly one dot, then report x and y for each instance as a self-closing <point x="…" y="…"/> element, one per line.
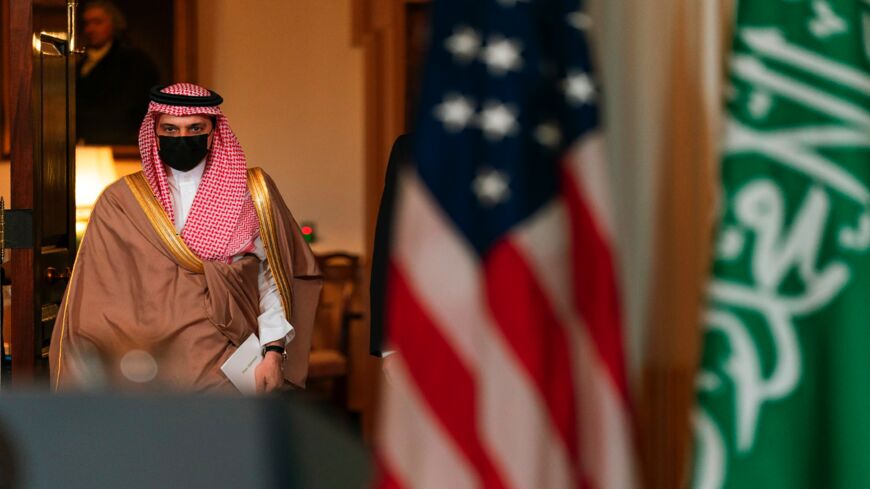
<point x="174" y="442"/>
<point x="783" y="396"/>
<point x="502" y="303"/>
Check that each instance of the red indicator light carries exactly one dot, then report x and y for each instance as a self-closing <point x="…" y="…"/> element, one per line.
<point x="307" y="230"/>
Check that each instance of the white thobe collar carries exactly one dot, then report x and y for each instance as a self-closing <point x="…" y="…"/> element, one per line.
<point x="183" y="186"/>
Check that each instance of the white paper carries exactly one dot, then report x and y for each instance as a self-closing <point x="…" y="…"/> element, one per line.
<point x="239" y="367"/>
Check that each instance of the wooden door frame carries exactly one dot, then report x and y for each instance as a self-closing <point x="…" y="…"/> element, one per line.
<point x="378" y="27"/>
<point x="26" y="265"/>
<point x="23" y="133"/>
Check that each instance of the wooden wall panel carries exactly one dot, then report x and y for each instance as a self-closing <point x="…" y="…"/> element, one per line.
<point x="184" y="56"/>
<point x="5" y="69"/>
<point x="380" y="28"/>
<point x="683" y="246"/>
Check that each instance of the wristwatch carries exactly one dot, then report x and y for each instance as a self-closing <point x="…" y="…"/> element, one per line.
<point x="277" y="349"/>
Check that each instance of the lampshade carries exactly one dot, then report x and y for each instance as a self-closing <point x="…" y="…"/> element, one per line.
<point x="95" y="170"/>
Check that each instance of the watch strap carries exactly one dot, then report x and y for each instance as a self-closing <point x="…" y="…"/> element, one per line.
<point x="276" y="348"/>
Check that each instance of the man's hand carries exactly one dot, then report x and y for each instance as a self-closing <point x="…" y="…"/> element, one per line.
<point x="268" y="375"/>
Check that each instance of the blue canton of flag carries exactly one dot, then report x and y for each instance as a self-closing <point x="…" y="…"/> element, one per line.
<point x="502" y="99"/>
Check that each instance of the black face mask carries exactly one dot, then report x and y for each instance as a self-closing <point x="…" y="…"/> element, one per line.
<point x="183" y="152"/>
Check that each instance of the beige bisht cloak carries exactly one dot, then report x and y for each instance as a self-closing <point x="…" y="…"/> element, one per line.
<point x="143" y="311"/>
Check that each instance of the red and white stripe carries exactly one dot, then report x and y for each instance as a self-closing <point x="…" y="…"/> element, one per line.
<point x="508" y="373"/>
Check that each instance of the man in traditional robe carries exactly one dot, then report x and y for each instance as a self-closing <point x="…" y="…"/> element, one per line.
<point x="183" y="261"/>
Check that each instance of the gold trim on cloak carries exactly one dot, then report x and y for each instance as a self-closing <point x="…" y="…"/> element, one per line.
<point x="63" y="320"/>
<point x="188" y="259"/>
<point x="263" y="205"/>
<point x="162" y="224"/>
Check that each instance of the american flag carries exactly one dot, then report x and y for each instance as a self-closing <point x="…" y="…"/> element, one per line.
<point x="502" y="304"/>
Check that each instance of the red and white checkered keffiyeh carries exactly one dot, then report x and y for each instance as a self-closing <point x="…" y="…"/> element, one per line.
<point x="222" y="221"/>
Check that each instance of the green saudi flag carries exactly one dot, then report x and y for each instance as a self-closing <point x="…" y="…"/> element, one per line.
<point x="784" y="383"/>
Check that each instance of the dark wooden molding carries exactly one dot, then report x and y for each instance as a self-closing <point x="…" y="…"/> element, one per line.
<point x="5" y="68"/>
<point x="22" y="133"/>
<point x="380" y="28"/>
<point x="125" y="152"/>
<point x="360" y="21"/>
<point x="185" y="33"/>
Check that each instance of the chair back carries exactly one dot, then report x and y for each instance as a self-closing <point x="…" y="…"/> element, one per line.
<point x="340" y="278"/>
